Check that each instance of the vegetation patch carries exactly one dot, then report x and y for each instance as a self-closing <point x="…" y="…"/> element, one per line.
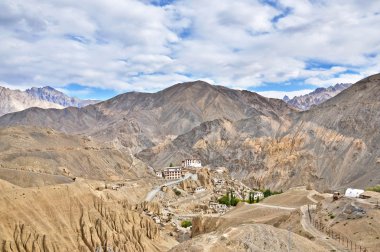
<point x="186" y="224"/>
<point x="374" y="188"/>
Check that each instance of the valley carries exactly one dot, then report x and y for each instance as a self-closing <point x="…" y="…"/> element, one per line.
<point x="194" y="167"/>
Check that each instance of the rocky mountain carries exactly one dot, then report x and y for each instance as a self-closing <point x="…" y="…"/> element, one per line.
<point x="318" y="96"/>
<point x="52" y="95"/>
<point x="15" y="100"/>
<point x="46" y="97"/>
<point x="140" y="120"/>
<point x="331" y="146"/>
<point x="262" y="141"/>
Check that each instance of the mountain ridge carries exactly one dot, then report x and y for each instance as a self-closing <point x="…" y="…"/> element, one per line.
<point x="316" y="97"/>
<point x="140" y="120"/>
<point x="46" y="97"/>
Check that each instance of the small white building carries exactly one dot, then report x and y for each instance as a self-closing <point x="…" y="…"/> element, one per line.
<point x="259" y="195"/>
<point x="217" y="207"/>
<point x="353" y="193"/>
<point x="195" y="163"/>
<point x="199" y="189"/>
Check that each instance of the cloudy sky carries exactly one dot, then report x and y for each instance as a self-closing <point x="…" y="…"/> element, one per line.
<point x="99" y="48"/>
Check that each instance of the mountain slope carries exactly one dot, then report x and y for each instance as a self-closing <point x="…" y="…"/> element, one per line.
<point x="141" y="120"/>
<point x="332" y="146"/>
<point x="318" y="96"/>
<point x="37" y="157"/>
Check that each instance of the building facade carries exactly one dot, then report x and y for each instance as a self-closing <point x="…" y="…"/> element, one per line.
<point x="172" y="173"/>
<point x="195" y="163"/>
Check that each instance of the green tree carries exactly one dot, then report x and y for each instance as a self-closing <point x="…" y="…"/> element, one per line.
<point x="186" y="224"/>
<point x="251" y="198"/>
<point x="258" y="199"/>
<point x="267" y="193"/>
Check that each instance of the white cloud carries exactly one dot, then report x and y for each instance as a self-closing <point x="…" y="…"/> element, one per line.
<point x="134" y="45"/>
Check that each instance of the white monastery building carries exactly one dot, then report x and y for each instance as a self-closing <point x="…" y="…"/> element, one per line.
<point x="194" y="163"/>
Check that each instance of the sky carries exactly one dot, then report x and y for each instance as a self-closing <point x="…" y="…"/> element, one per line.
<point x="100" y="48"/>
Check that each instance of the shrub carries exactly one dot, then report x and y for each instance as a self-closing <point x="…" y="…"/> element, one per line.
<point x="268" y="193"/>
<point x="374" y="188"/>
<point x="234" y="201"/>
<point x="229" y="199"/>
<point x="186" y="224"/>
<point x="224" y="200"/>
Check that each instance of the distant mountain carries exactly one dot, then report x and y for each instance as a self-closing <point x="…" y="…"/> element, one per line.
<point x="16" y="100"/>
<point x="318" y="96"/>
<point x="46" y="97"/>
<point x="52" y="95"/>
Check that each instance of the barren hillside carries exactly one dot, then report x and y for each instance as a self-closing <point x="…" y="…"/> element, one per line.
<point x="331" y="146"/>
<point x="35" y="157"/>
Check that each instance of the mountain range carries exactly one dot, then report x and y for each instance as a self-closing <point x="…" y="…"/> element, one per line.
<point x="45" y="97"/>
<point x="264" y="142"/>
<point x="318" y="96"/>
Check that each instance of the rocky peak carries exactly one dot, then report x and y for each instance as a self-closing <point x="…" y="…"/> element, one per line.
<point x="318" y="96"/>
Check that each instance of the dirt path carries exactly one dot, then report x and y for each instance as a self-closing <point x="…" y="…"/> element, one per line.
<point x="150" y="196"/>
<point x="274" y="206"/>
<point x="320" y="238"/>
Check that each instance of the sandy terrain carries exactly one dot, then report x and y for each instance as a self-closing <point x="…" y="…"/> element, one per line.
<point x="75" y="217"/>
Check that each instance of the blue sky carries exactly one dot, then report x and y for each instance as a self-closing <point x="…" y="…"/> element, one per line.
<point x="274" y="47"/>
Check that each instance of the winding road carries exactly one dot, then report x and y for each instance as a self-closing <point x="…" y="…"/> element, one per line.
<point x="150" y="196"/>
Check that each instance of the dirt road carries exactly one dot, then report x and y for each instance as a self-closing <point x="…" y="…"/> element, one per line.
<point x="320" y="238"/>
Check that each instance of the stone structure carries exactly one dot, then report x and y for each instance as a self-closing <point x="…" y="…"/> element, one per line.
<point x="172" y="173"/>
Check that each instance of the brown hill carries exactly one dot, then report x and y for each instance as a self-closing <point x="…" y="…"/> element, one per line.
<point x="36" y="157"/>
<point x="141" y="120"/>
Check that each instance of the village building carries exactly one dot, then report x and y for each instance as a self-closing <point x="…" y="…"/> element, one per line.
<point x="219" y="208"/>
<point x="218" y="182"/>
<point x="172" y="173"/>
<point x="199" y="189"/>
<point x="194" y="163"/>
<point x="259" y="195"/>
